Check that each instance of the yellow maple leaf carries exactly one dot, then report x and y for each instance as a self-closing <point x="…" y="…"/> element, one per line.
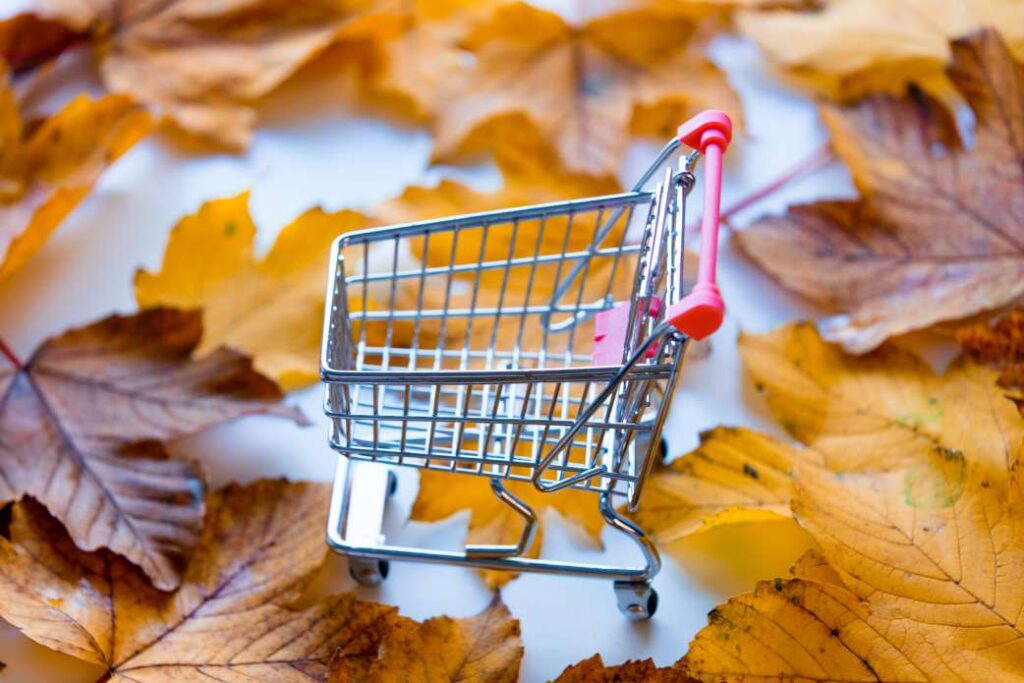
<point x="270" y="308"/>
<point x="735" y="476"/>
<point x="46" y="170"/>
<point x="273" y="308"/>
<point x="572" y="93"/>
<point x="882" y="410"/>
<point x="442" y="494"/>
<point x="851" y="47"/>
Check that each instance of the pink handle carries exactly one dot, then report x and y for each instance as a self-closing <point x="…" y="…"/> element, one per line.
<point x="699" y="313"/>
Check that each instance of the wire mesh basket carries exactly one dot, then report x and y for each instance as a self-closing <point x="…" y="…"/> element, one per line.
<point x="540" y="344"/>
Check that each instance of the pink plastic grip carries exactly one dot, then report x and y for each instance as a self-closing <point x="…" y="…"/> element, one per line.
<point x="699" y="313"/>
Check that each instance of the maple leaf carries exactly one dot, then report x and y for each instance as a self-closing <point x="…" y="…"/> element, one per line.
<point x="593" y="670"/>
<point x="573" y="93"/>
<point x="414" y="50"/>
<point x="271" y="309"/>
<point x="848" y="48"/>
<point x="202" y="64"/>
<point x="1000" y="345"/>
<point x="492" y="521"/>
<point x="28" y="40"/>
<point x="938" y="232"/>
<point x="48" y="168"/>
<point x="486" y="648"/>
<point x="233" y="616"/>
<point x="83" y="421"/>
<point x="734" y="476"/>
<point x="883" y="410"/>
<point x="922" y="583"/>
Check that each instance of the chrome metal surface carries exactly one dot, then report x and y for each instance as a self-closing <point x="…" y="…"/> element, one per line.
<point x="461" y="345"/>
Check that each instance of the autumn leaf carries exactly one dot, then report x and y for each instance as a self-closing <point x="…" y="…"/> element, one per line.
<point x="271" y="308"/>
<point x="414" y="50"/>
<point x="82" y="426"/>
<point x="203" y="64"/>
<point x="492" y="521"/>
<point x="47" y="168"/>
<point x="734" y="476"/>
<point x="486" y="648"/>
<point x="883" y="410"/>
<point x="1000" y="345"/>
<point x="593" y="670"/>
<point x="938" y="232"/>
<point x="233" y="616"/>
<point x="848" y="48"/>
<point x="574" y="93"/>
<point x="28" y="40"/>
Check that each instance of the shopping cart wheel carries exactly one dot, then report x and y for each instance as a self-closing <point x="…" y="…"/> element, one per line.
<point x="637" y="600"/>
<point x="368" y="572"/>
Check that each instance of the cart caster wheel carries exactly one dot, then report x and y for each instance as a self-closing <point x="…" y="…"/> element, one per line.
<point x="368" y="572"/>
<point x="392" y="483"/>
<point x="637" y="601"/>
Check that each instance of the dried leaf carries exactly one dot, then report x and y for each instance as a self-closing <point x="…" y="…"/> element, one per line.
<point x="852" y="47"/>
<point x="414" y="50"/>
<point x="443" y="494"/>
<point x="1000" y="345"/>
<point x="83" y="421"/>
<point x="272" y="308"/>
<point x="48" y="168"/>
<point x="27" y="40"/>
<point x="569" y="94"/>
<point x="233" y="617"/>
<point x="486" y="648"/>
<point x="202" y="63"/>
<point x="734" y="476"/>
<point x="593" y="670"/>
<point x="884" y="410"/>
<point x="938" y="232"/>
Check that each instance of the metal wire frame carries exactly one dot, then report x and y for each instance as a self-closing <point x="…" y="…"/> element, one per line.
<point x="505" y="404"/>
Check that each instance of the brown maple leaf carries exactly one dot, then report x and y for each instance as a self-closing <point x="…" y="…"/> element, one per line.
<point x="83" y="421"/>
<point x="233" y="617"/>
<point x="486" y="648"/>
<point x="48" y="167"/>
<point x="574" y="93"/>
<point x="938" y="232"/>
<point x="199" y="62"/>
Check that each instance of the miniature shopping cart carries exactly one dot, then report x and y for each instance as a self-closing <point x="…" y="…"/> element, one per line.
<point x="539" y="344"/>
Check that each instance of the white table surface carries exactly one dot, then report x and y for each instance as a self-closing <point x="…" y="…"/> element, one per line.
<point x="310" y="149"/>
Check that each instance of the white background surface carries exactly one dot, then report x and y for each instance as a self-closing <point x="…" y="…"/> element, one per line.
<point x="310" y="149"/>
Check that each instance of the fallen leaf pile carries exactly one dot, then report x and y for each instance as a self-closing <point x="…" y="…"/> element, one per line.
<point x="48" y="167"/>
<point x="544" y="88"/>
<point x="84" y="421"/>
<point x="938" y="232"/>
<point x="849" y="48"/>
<point x="234" y="616"/>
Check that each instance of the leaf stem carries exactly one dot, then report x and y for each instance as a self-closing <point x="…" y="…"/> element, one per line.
<point x="9" y="353"/>
<point x="820" y="157"/>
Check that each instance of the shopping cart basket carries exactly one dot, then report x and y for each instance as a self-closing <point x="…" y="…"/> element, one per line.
<point x="540" y="344"/>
